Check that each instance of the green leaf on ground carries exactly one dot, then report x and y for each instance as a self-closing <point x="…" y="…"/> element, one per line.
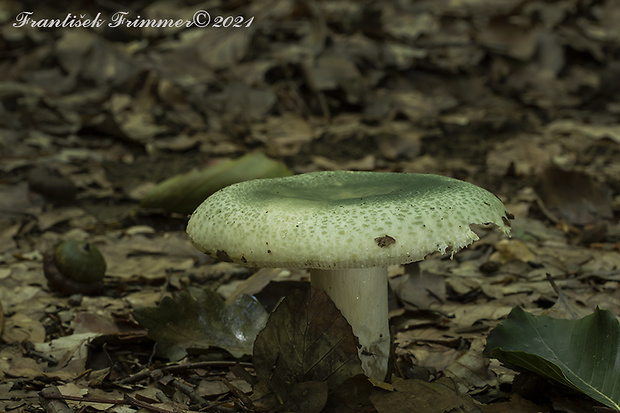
<point x="185" y="322"/>
<point x="306" y="339"/>
<point x="583" y="354"/>
<point x="183" y="193"/>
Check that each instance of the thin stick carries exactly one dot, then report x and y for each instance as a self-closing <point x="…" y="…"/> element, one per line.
<point x="129" y="401"/>
<point x="181" y="367"/>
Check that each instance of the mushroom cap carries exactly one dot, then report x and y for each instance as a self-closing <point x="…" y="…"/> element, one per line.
<point x="342" y="219"/>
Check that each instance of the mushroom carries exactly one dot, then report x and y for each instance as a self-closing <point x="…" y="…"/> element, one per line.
<point x="346" y="227"/>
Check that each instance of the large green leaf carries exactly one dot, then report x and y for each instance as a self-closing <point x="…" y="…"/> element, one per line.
<point x="582" y="354"/>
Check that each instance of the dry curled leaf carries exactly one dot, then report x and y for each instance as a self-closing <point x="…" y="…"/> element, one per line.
<point x="185" y="322"/>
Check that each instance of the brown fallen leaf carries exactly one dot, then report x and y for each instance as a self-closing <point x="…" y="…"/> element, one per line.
<point x="49" y="183"/>
<point x="66" y="354"/>
<point x="255" y="283"/>
<point x="573" y="197"/>
<point x="82" y="53"/>
<point x="284" y="135"/>
<point x="516" y="404"/>
<point x="352" y="396"/>
<point x="1" y="318"/>
<point x="222" y="48"/>
<point x="306" y="339"/>
<point x="513" y="40"/>
<point x="418" y="289"/>
<point x="331" y="71"/>
<point x="20" y="327"/>
<point x="523" y="155"/>
<point x="418" y="396"/>
<point x="470" y="371"/>
<point x="308" y="397"/>
<point x="513" y="249"/>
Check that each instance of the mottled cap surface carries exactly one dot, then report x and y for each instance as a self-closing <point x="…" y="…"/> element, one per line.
<point x="342" y="219"/>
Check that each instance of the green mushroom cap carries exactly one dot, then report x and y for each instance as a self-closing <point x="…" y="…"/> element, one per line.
<point x="342" y="219"/>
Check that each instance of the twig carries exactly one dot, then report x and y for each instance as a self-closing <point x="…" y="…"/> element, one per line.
<point x="49" y="404"/>
<point x="181" y="367"/>
<point x="129" y="401"/>
<point x="190" y="392"/>
<point x="247" y="402"/>
<point x="563" y="301"/>
<point x="554" y="285"/>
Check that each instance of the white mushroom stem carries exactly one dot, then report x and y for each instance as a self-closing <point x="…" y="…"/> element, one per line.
<point x="361" y="295"/>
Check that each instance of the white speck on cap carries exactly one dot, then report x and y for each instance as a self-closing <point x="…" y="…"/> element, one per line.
<point x="342" y="219"/>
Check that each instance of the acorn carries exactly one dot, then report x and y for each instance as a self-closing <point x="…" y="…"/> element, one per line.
<point x="75" y="267"/>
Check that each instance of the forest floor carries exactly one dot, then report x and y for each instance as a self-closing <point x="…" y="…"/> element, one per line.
<point x="518" y="97"/>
